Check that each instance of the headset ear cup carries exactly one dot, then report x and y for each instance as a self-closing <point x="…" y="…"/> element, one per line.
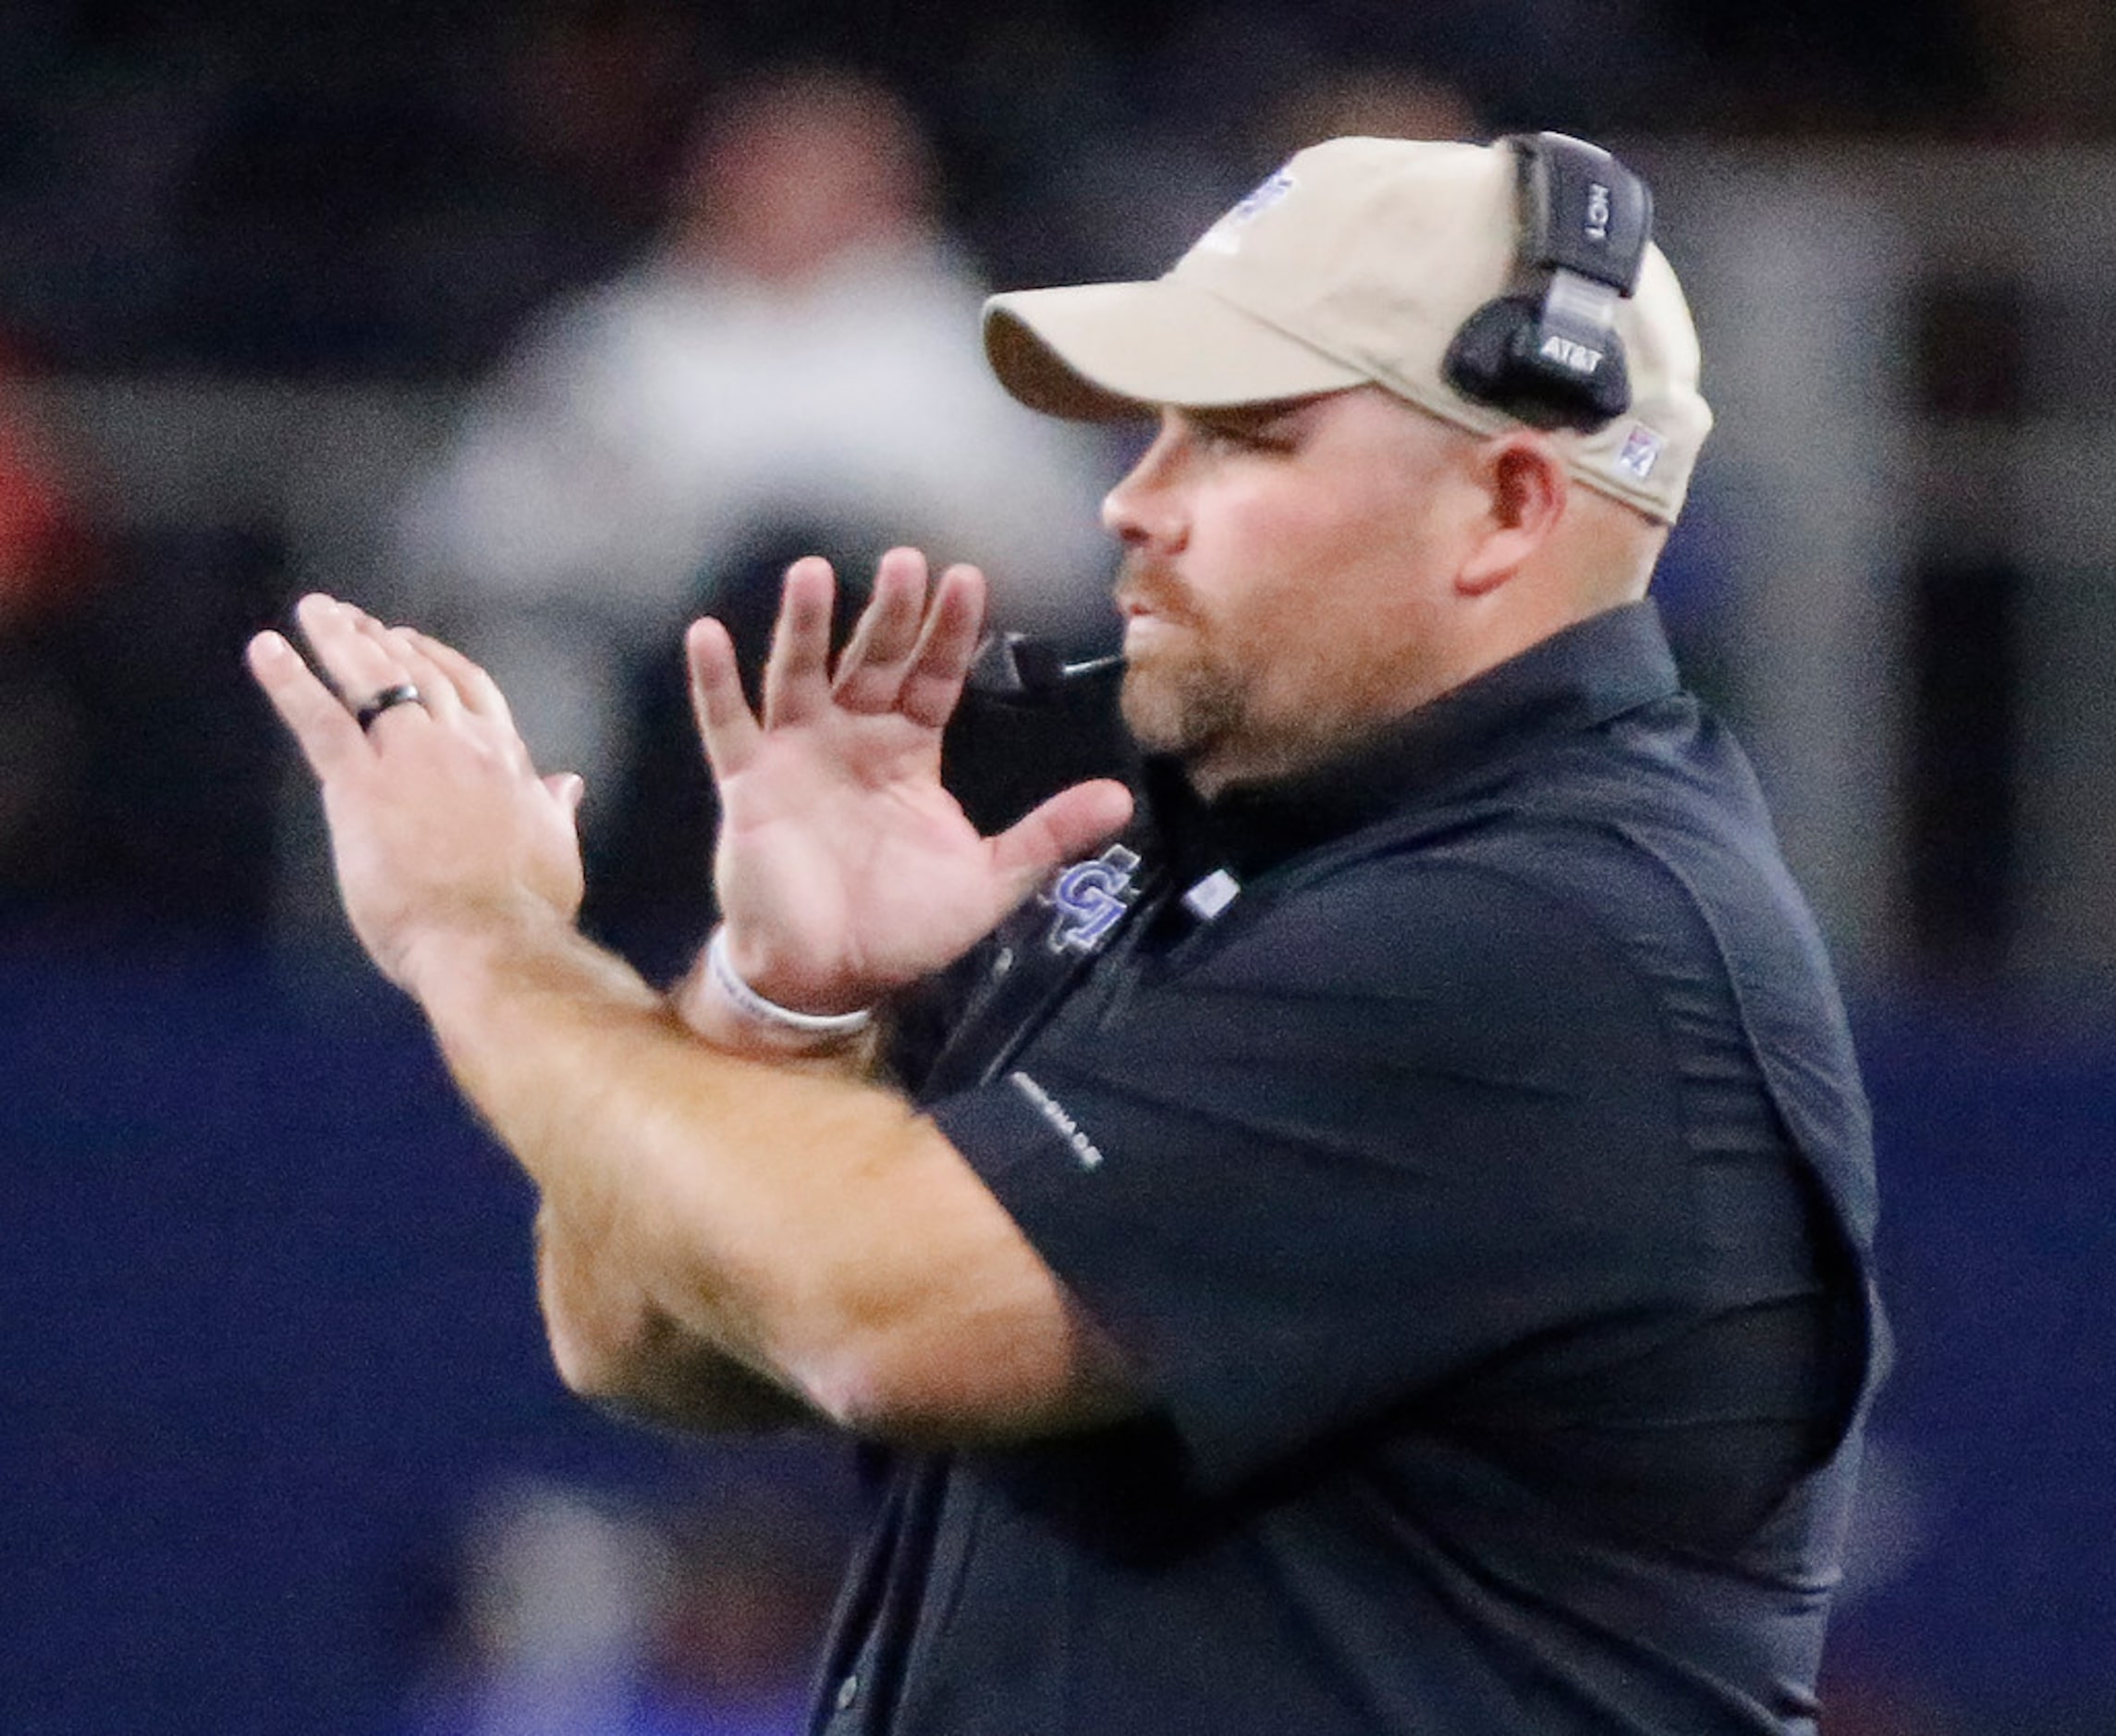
<point x="1495" y="360"/>
<point x="1483" y="361"/>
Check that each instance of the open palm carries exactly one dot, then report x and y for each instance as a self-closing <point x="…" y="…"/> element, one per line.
<point x="844" y="869"/>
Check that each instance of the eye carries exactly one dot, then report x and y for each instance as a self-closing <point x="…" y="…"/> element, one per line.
<point x="1242" y="434"/>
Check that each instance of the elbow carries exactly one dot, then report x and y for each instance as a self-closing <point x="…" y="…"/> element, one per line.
<point x="855" y="1368"/>
<point x="957" y="1388"/>
<point x="599" y="1335"/>
<point x="634" y="1360"/>
<point x="593" y="1363"/>
<point x="641" y="1365"/>
<point x="856" y="1393"/>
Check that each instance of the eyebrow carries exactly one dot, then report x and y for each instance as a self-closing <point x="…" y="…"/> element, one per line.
<point x="1250" y="418"/>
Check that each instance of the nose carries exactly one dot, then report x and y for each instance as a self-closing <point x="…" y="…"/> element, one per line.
<point x="1145" y="508"/>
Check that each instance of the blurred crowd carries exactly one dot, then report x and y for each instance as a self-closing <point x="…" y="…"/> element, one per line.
<point x="707" y="277"/>
<point x="295" y="187"/>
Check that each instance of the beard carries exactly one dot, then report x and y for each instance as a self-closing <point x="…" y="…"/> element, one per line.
<point x="1181" y="699"/>
<point x="1183" y="694"/>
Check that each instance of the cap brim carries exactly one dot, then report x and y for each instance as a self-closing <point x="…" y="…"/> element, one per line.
<point x="1096" y="353"/>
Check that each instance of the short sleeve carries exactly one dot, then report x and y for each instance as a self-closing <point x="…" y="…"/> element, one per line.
<point x="1365" y="1143"/>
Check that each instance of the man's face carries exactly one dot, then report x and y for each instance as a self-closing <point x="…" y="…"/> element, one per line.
<point x="1287" y="577"/>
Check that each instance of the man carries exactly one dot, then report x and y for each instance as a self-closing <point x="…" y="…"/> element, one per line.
<point x="1384" y="1246"/>
<point x="787" y="353"/>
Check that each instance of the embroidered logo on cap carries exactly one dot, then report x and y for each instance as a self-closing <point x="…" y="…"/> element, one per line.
<point x="1224" y="236"/>
<point x="1640" y="452"/>
<point x="1089" y="898"/>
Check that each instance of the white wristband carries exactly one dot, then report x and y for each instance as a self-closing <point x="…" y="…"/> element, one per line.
<point x="770" y="1012"/>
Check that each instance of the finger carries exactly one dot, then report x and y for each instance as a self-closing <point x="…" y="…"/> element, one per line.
<point x="436" y="687"/>
<point x="358" y="660"/>
<point x="796" y="676"/>
<point x="871" y="669"/>
<point x="726" y="726"/>
<point x="385" y="638"/>
<point x="934" y="686"/>
<point x="321" y="727"/>
<point x="480" y="694"/>
<point x="1073" y="824"/>
<point x="349" y="661"/>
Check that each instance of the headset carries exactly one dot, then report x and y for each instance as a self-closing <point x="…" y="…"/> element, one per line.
<point x="1546" y="352"/>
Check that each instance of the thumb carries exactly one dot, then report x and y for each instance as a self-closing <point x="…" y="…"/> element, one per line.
<point x="1070" y="824"/>
<point x="566" y="788"/>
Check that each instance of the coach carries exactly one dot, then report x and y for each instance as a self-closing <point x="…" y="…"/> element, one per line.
<point x="1384" y="1242"/>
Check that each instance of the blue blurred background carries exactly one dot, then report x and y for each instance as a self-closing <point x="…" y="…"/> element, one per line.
<point x="550" y="322"/>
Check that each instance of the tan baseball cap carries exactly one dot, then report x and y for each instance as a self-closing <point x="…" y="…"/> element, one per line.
<point x="1355" y="263"/>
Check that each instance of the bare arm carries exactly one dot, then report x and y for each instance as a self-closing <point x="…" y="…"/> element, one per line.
<point x="710" y="1211"/>
<point x="812" y="1227"/>
<point x="611" y="1341"/>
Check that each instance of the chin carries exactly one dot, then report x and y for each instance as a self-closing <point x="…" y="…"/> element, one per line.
<point x="1148" y="711"/>
<point x="1178" y="706"/>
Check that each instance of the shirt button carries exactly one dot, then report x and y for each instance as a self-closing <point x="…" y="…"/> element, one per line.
<point x="847" y="1692"/>
<point x="1004" y="962"/>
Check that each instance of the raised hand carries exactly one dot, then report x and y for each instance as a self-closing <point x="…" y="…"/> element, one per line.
<point x="440" y="826"/>
<point x="844" y="869"/>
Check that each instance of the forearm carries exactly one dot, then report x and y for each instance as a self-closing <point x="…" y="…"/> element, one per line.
<point x="612" y="1346"/>
<point x="627" y="1123"/>
<point x="612" y="1343"/>
<point x="807" y="1223"/>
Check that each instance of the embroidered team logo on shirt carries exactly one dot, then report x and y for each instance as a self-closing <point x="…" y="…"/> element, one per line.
<point x="1089" y="898"/>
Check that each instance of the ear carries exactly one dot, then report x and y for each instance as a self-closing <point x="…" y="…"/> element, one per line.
<point x="1527" y="489"/>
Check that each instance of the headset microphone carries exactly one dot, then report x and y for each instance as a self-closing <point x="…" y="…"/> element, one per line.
<point x="1027" y="671"/>
<point x="1031" y="724"/>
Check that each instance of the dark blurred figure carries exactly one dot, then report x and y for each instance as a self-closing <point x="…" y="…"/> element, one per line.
<point x="348" y="200"/>
<point x="1369" y="101"/>
<point x="755" y="1579"/>
<point x="135" y="798"/>
<point x="578" y="1616"/>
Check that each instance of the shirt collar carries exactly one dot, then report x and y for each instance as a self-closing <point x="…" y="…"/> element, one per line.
<point x="1576" y="679"/>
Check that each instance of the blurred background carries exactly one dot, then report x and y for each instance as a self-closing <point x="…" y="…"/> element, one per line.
<point x="549" y="323"/>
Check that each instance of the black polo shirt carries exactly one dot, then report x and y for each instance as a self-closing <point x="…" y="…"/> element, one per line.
<point x="1465" y="1148"/>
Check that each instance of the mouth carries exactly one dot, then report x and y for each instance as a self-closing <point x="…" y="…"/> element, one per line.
<point x="1146" y="599"/>
<point x="1142" y="621"/>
